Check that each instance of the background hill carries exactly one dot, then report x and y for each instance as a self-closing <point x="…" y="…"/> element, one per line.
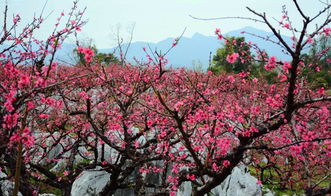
<point x="193" y="52"/>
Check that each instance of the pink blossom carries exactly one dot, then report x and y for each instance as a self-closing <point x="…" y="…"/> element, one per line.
<point x="326" y="31"/>
<point x="65" y="173"/>
<point x="255" y="110"/>
<point x="44" y="116"/>
<point x="218" y="33"/>
<point x="15" y="138"/>
<point x="9" y="106"/>
<point x="16" y="18"/>
<point x="83" y="95"/>
<point x="271" y="63"/>
<point x="80" y="49"/>
<point x="282" y="77"/>
<point x="232" y="58"/>
<point x="226" y="163"/>
<point x="88" y="59"/>
<point x="231" y="79"/>
<point x="175" y="42"/>
<point x="24" y="81"/>
<point x="26" y="132"/>
<point x="318" y="69"/>
<point x="190" y="177"/>
<point x="136" y="144"/>
<point x="287" y="26"/>
<point x="30" y="105"/>
<point x="286" y="66"/>
<point x="73" y="22"/>
<point x="28" y="141"/>
<point x="10" y="120"/>
<point x="215" y="167"/>
<point x="310" y="40"/>
<point x="321" y="91"/>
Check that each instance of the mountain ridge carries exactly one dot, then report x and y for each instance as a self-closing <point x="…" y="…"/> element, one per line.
<point x="192" y="52"/>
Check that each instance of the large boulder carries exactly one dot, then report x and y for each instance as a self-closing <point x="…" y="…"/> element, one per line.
<point x="90" y="182"/>
<point x="239" y="183"/>
<point x="6" y="186"/>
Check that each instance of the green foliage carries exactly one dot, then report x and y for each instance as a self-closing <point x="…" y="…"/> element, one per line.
<point x="44" y="188"/>
<point x="107" y="59"/>
<point x="101" y="58"/>
<point x="317" y="58"/>
<point x="273" y="182"/>
<point x="232" y="45"/>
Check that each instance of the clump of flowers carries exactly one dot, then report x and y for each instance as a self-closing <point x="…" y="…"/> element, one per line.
<point x="88" y="53"/>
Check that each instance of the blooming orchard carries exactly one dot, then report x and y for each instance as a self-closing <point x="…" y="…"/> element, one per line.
<point x="135" y="121"/>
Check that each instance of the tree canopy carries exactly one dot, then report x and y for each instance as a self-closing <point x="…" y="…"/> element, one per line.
<point x="233" y="45"/>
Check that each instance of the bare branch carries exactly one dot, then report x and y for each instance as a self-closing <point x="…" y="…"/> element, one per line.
<point x="310" y="101"/>
<point x="177" y="39"/>
<point x="265" y="147"/>
<point x="279" y="37"/>
<point x="321" y="12"/>
<point x="300" y="10"/>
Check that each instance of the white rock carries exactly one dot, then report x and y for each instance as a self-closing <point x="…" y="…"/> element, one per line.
<point x="238" y="183"/>
<point x="6" y="186"/>
<point x="90" y="182"/>
<point x="185" y="189"/>
<point x="60" y="165"/>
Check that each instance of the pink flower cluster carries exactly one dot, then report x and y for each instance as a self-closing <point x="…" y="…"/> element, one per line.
<point x="26" y="138"/>
<point x="275" y="101"/>
<point x="232" y="58"/>
<point x="10" y="99"/>
<point x="10" y="70"/>
<point x="88" y="53"/>
<point x="327" y="31"/>
<point x="286" y="66"/>
<point x="10" y="120"/>
<point x="24" y="81"/>
<point x="271" y="64"/>
<point x="218" y="33"/>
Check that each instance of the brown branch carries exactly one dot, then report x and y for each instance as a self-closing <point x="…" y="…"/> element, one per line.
<point x="265" y="147"/>
<point x="300" y="10"/>
<point x="279" y="37"/>
<point x="310" y="101"/>
<point x="321" y="12"/>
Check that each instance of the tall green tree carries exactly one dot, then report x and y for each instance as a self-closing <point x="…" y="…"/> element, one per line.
<point x="99" y="57"/>
<point x="318" y="58"/>
<point x="232" y="45"/>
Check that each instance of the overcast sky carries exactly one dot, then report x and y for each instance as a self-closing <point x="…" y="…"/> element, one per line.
<point x="156" y="20"/>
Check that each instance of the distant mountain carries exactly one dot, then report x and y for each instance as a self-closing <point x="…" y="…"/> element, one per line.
<point x="194" y="52"/>
<point x="191" y="52"/>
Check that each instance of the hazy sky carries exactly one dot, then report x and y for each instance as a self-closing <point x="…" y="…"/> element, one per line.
<point x="156" y="20"/>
